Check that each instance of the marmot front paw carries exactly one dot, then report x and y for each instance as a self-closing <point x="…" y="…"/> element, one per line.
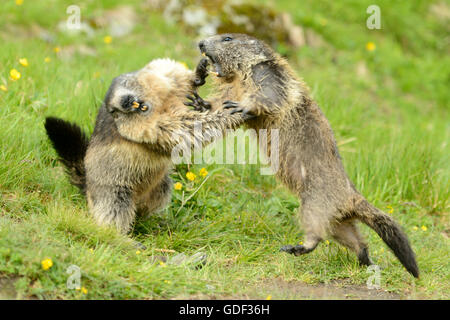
<point x="201" y="72"/>
<point x="198" y="103"/>
<point x="236" y="107"/>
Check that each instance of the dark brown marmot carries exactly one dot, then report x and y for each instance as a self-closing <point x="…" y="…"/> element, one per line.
<point x="255" y="80"/>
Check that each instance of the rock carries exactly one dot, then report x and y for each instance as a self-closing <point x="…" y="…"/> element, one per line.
<point x="83" y="29"/>
<point x="20" y="31"/>
<point x="86" y="50"/>
<point x="198" y="259"/>
<point x="295" y="34"/>
<point x="218" y="16"/>
<point x="119" y="21"/>
<point x="195" y="16"/>
<point x="441" y="11"/>
<point x="313" y="39"/>
<point x="154" y="4"/>
<point x="67" y="52"/>
<point x="361" y="70"/>
<point x="158" y="259"/>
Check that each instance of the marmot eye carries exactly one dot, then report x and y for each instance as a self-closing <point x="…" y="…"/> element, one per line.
<point x="227" y="39"/>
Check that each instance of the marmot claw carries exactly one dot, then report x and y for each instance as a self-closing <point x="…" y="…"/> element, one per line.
<point x="197" y="103"/>
<point x="295" y="250"/>
<point x="201" y="72"/>
<point x="237" y="108"/>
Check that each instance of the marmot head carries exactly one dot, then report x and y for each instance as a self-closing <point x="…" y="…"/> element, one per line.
<point x="147" y="90"/>
<point x="124" y="96"/>
<point x="233" y="53"/>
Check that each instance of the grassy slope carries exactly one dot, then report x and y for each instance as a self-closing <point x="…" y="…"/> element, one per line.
<point x="392" y="125"/>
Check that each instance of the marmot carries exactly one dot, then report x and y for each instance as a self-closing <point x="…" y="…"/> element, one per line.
<point x="124" y="167"/>
<point x="263" y="84"/>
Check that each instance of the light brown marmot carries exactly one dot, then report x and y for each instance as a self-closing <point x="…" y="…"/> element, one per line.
<point x="124" y="167"/>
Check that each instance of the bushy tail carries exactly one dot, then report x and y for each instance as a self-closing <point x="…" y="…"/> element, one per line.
<point x="71" y="144"/>
<point x="391" y="234"/>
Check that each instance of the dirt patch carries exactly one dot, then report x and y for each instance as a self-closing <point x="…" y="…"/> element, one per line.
<point x="279" y="289"/>
<point x="7" y="289"/>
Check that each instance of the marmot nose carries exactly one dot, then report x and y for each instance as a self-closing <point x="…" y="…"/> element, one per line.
<point x="127" y="102"/>
<point x="201" y="45"/>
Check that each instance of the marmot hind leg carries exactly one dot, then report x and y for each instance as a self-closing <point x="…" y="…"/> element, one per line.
<point x="157" y="198"/>
<point x="310" y="244"/>
<point x="347" y="234"/>
<point x="315" y="231"/>
<point x="112" y="205"/>
<point x="316" y="225"/>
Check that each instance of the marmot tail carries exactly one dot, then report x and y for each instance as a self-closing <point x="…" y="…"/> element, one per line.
<point x="71" y="143"/>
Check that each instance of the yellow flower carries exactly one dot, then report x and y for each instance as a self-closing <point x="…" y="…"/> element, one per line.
<point x="391" y="210"/>
<point x="269" y="297"/>
<point x="162" y="264"/>
<point x="91" y="250"/>
<point x="84" y="290"/>
<point x="47" y="59"/>
<point x="56" y="49"/>
<point x="424" y="228"/>
<point x="3" y="87"/>
<point x="19" y="2"/>
<point x="167" y="281"/>
<point x="370" y="46"/>
<point x="46" y="264"/>
<point x="203" y="172"/>
<point x="178" y="186"/>
<point x="138" y="252"/>
<point x="14" y="74"/>
<point x="107" y="39"/>
<point x="415" y="228"/>
<point x="23" y="62"/>
<point x="327" y="242"/>
<point x="191" y="176"/>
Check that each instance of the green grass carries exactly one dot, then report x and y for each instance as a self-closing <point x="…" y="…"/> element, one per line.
<point x="391" y="124"/>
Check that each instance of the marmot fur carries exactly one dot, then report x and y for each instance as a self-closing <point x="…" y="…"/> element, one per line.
<point x="124" y="167"/>
<point x="263" y="84"/>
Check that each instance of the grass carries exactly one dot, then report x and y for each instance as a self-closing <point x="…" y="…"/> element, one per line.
<point x="388" y="109"/>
